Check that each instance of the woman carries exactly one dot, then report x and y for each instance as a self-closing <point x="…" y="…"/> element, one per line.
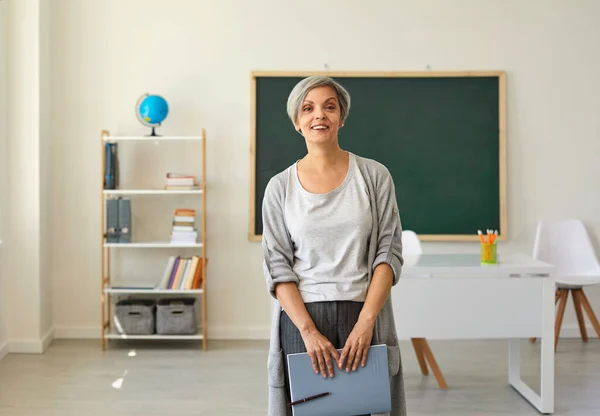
<point x="332" y="250"/>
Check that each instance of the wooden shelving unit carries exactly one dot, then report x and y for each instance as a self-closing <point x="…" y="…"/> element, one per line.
<point x="108" y="332"/>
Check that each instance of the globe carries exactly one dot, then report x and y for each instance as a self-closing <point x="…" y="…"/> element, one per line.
<point x="151" y="110"/>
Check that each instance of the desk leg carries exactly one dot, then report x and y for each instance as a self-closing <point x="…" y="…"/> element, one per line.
<point x="416" y="342"/>
<point x="544" y="402"/>
<point x="514" y="361"/>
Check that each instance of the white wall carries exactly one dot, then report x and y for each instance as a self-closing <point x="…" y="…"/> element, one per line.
<point x="22" y="228"/>
<point x="25" y="266"/>
<point x="199" y="56"/>
<point x="3" y="199"/>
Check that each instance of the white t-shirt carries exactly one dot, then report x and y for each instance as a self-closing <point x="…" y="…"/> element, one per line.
<point x="330" y="233"/>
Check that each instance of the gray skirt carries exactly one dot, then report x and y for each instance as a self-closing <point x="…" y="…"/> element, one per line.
<point x="334" y="319"/>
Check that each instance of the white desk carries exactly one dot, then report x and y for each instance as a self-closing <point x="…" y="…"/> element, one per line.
<point x="453" y="296"/>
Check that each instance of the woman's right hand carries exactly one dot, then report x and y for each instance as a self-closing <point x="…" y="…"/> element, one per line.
<point x="321" y="352"/>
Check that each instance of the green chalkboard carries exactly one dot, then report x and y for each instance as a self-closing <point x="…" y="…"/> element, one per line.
<point x="441" y="135"/>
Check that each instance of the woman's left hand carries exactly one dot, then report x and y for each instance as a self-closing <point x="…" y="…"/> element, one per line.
<point x="357" y="345"/>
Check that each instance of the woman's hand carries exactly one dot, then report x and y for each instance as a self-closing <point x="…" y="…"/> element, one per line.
<point x="320" y="351"/>
<point x="357" y="345"/>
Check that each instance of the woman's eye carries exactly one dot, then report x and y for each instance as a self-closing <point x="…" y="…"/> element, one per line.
<point x="331" y="107"/>
<point x="306" y="109"/>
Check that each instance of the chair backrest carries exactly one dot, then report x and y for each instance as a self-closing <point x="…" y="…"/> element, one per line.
<point x="566" y="244"/>
<point x="411" y="243"/>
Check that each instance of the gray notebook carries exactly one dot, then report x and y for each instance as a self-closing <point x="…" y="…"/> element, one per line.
<point x="364" y="391"/>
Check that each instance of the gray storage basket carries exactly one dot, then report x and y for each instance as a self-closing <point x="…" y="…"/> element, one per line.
<point x="135" y="316"/>
<point x="176" y="316"/>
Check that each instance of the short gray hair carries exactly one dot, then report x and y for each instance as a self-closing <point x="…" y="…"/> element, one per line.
<point x="298" y="94"/>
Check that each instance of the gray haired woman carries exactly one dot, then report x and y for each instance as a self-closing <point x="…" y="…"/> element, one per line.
<point x="332" y="243"/>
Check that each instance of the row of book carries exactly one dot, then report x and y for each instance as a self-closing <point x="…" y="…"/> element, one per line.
<point x="183" y="273"/>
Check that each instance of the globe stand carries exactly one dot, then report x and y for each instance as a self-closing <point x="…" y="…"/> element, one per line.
<point x="153" y="133"/>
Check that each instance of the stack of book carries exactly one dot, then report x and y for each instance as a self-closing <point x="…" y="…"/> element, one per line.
<point x="180" y="182"/>
<point x="184" y="229"/>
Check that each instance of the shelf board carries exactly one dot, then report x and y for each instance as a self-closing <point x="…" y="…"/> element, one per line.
<point x="114" y="335"/>
<point x="149" y="138"/>
<point x="151" y="191"/>
<point x="156" y="244"/>
<point x="154" y="291"/>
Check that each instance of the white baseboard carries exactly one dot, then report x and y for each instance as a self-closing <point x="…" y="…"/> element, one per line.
<point x="77" y="332"/>
<point x="4" y="348"/>
<point x="47" y="339"/>
<point x="36" y="346"/>
<point x="214" y="333"/>
<point x="261" y="332"/>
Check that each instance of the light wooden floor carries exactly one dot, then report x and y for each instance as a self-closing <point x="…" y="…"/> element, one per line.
<point x="74" y="378"/>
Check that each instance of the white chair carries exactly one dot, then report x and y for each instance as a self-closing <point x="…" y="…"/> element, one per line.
<point x="412" y="245"/>
<point x="566" y="244"/>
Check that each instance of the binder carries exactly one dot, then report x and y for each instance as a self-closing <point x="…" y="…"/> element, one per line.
<point x="110" y="166"/>
<point x="364" y="391"/>
<point x="124" y="220"/>
<point x="112" y="220"/>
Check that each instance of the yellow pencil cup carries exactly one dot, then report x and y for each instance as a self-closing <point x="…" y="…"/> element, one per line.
<point x="488" y="254"/>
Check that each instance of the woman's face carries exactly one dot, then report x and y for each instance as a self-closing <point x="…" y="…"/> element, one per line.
<point x="319" y="116"/>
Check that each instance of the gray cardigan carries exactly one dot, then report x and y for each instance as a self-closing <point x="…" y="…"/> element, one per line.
<point x="385" y="246"/>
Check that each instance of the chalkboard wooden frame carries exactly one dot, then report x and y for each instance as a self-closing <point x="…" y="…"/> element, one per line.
<point x="500" y="75"/>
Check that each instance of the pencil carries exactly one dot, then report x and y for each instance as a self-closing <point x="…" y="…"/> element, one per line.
<point x="306" y="399"/>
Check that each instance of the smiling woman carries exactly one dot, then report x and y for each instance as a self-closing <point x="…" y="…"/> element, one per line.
<point x="332" y="250"/>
